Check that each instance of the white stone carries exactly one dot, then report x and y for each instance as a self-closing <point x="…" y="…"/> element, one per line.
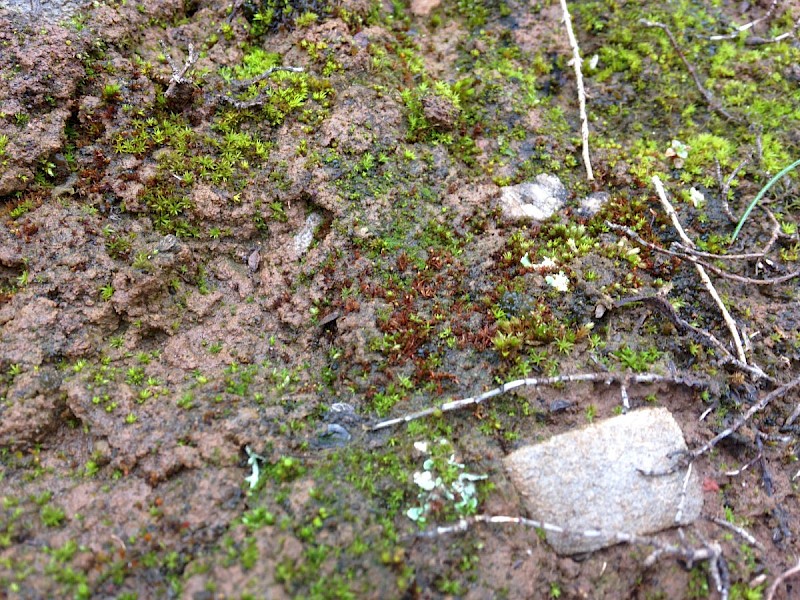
<point x="590" y="479"/>
<point x="303" y="238"/>
<point x="535" y="200"/>
<point x="592" y="204"/>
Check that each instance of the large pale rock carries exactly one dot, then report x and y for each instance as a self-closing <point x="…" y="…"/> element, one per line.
<point x="537" y="199"/>
<point x="590" y="479"/>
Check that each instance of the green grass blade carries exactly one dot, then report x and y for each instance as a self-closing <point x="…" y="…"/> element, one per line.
<point x="760" y="195"/>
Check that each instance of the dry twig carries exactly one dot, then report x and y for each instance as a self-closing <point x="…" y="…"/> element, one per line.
<point x="577" y="61"/>
<point x="725" y="186"/>
<point x="179" y="79"/>
<point x="757" y="407"/>
<point x="757" y="41"/>
<point x="698" y="334"/>
<point x="710" y="551"/>
<point x="780" y="579"/>
<point x="692" y="255"/>
<point x="737" y="341"/>
<point x="740" y="531"/>
<point x="682" y="501"/>
<point x="743" y="468"/>
<point x="737" y="30"/>
<point x="606" y="378"/>
<point x="261" y="98"/>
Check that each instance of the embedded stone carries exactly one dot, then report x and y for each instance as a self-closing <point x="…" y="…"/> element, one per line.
<point x="594" y="479"/>
<point x="534" y="200"/>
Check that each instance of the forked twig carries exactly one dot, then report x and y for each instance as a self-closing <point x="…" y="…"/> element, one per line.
<point x="179" y="78"/>
<point x="606" y="378"/>
<point x="757" y="407"/>
<point x="737" y="340"/>
<point x="780" y="579"/>
<point x="701" y="335"/>
<point x="737" y="30"/>
<point x="757" y="41"/>
<point x="577" y="61"/>
<point x="693" y="256"/>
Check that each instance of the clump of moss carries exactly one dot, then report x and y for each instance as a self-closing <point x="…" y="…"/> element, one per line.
<point x="268" y="16"/>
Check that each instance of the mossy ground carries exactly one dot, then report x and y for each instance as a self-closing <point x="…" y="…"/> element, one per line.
<point x="144" y="348"/>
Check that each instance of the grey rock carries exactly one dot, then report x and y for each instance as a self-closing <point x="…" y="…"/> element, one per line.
<point x="48" y="10"/>
<point x="333" y="436"/>
<point x="535" y="200"/>
<point x="254" y="260"/>
<point x="592" y="204"/>
<point x="590" y="479"/>
<point x="557" y="406"/>
<point x="303" y="238"/>
<point x="168" y="243"/>
<point x="344" y="414"/>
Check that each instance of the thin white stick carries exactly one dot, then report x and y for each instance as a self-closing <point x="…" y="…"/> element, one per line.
<point x="737" y="340"/>
<point x="746" y="26"/>
<point x="740" y="531"/>
<point x="576" y="63"/>
<point x="758" y="406"/>
<point x="793" y="417"/>
<point x="606" y="378"/>
<point x="783" y="577"/>
<point x="682" y="501"/>
<point x="710" y="551"/>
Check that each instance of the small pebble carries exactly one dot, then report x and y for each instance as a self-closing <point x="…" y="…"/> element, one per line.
<point x="167" y="244"/>
<point x="254" y="260"/>
<point x="557" y="406"/>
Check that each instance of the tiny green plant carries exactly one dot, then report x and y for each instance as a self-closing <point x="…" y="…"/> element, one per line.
<point x="106" y="292"/>
<point x="52" y="516"/>
<point x="111" y="92"/>
<point x="142" y="262"/>
<point x="20" y="209"/>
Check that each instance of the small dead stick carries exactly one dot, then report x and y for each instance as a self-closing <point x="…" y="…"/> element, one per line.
<point x="179" y="73"/>
<point x="757" y="41"/>
<point x="261" y="98"/>
<point x="725" y="186"/>
<point x="740" y="531"/>
<point x="693" y="256"/>
<point x="710" y="551"/>
<point x="576" y="61"/>
<point x="606" y="378"/>
<point x="737" y="30"/>
<point x="702" y="335"/>
<point x="246" y="83"/>
<point x="780" y="579"/>
<point x="737" y="340"/>
<point x="778" y="512"/>
<point x="710" y="100"/>
<point x="757" y="407"/>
